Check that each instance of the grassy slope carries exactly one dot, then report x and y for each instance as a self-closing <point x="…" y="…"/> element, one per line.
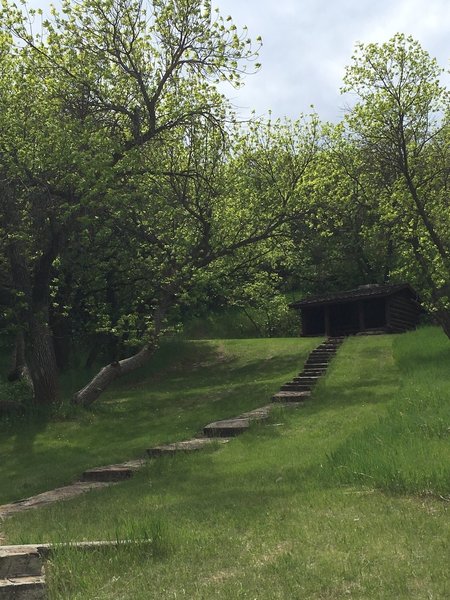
<point x="283" y="512"/>
<point x="187" y="386"/>
<point x="408" y="451"/>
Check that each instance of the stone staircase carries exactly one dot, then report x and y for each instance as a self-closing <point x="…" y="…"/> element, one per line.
<point x="21" y="567"/>
<point x="21" y="573"/>
<point x="299" y="389"/>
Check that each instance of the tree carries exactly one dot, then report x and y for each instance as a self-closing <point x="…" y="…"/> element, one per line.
<point x="102" y="80"/>
<point x="122" y="174"/>
<point x="338" y="241"/>
<point x="221" y="207"/>
<point x="400" y="125"/>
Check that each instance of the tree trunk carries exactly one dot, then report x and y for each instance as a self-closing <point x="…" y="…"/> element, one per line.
<point x="87" y="395"/>
<point x="62" y="340"/>
<point x="443" y="318"/>
<point x="42" y="365"/>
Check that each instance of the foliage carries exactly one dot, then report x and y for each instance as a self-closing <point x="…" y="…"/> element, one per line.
<point x="340" y="242"/>
<point x="124" y="173"/>
<point x="400" y="128"/>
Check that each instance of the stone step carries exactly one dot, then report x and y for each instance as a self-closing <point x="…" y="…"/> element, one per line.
<point x="227" y="427"/>
<point x="186" y="446"/>
<point x="312" y="379"/>
<point x="237" y="425"/>
<point x="316" y="361"/>
<point x="289" y="404"/>
<point x="51" y="496"/>
<point x="312" y="372"/>
<point x="20" y="561"/>
<point x="23" y="588"/>
<point x="296" y="387"/>
<point x="324" y="349"/>
<point x="258" y="414"/>
<point x="110" y="473"/>
<point x="291" y="396"/>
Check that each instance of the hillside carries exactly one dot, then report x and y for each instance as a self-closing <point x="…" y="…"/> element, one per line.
<point x="344" y="497"/>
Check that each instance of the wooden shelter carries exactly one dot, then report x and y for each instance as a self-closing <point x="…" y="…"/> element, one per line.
<point x="391" y="308"/>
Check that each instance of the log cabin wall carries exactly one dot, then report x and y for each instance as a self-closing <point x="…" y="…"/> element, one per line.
<point x="403" y="313"/>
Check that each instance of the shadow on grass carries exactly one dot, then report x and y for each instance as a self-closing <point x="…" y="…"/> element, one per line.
<point x="173" y="399"/>
<point x="25" y="428"/>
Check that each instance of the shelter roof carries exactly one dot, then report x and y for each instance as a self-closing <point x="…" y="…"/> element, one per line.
<point x="363" y="292"/>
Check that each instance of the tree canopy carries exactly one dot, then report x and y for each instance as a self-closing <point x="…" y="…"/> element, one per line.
<point x="125" y="171"/>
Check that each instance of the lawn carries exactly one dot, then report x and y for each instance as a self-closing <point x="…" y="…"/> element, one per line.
<point x="186" y="386"/>
<point x="334" y="500"/>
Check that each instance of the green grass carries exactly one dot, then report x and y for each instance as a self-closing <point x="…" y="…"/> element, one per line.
<point x="282" y="512"/>
<point x="187" y="385"/>
<point x="408" y="450"/>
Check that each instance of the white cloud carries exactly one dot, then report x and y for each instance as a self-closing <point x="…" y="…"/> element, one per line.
<point x="307" y="44"/>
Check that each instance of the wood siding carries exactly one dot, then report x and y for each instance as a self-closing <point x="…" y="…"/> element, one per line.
<point x="403" y="313"/>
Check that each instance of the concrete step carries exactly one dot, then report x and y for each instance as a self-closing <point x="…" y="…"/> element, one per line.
<point x="227" y="427"/>
<point x="110" y="473"/>
<point x="291" y="396"/>
<point x="312" y="372"/>
<point x="316" y="374"/>
<point x="187" y="446"/>
<point x="20" y="561"/>
<point x="316" y="361"/>
<point x="289" y="404"/>
<point x="237" y="425"/>
<point x="23" y="588"/>
<point x="51" y="496"/>
<point x="325" y="348"/>
<point x="307" y="379"/>
<point x="296" y="387"/>
<point x="258" y="414"/>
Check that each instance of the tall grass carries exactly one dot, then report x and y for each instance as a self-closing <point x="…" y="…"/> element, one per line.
<point x="407" y="450"/>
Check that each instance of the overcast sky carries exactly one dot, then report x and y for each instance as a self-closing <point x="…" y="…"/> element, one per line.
<point x="307" y="43"/>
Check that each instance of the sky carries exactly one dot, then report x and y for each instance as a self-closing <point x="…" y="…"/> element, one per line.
<point x="308" y="43"/>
